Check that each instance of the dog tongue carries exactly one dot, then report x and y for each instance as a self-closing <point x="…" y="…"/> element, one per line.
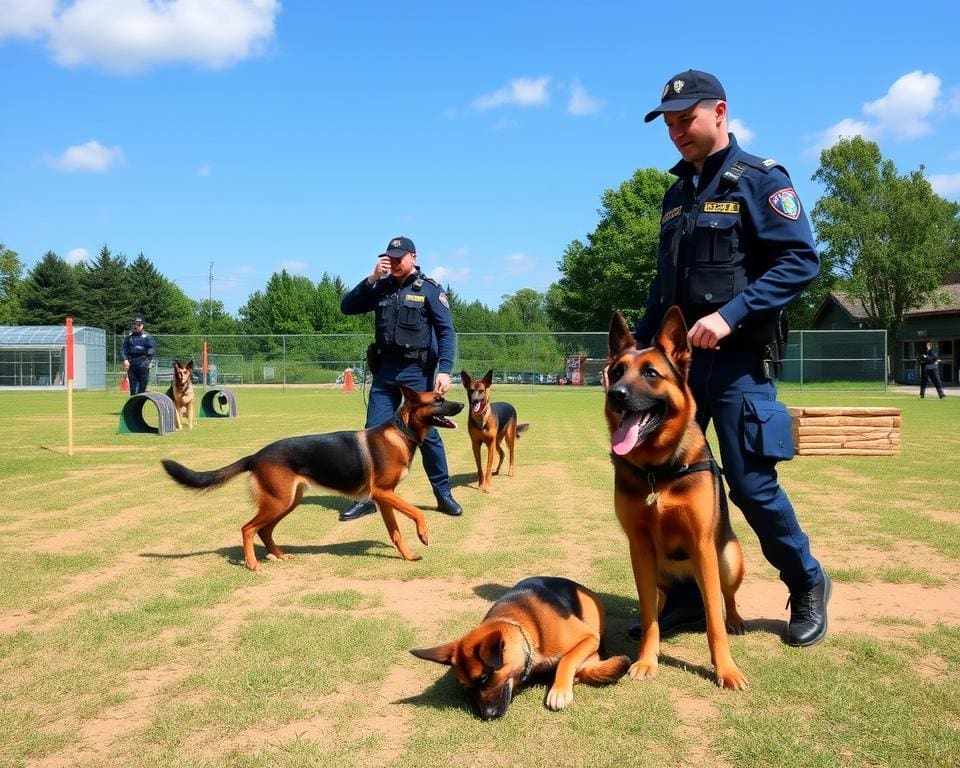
<point x="625" y="437"/>
<point x="477" y="405"/>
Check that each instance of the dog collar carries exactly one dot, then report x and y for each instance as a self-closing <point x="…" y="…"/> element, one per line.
<point x="404" y="429"/>
<point x="528" y="648"/>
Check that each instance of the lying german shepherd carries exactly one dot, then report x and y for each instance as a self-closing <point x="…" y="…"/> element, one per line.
<point x="371" y="463"/>
<point x="667" y="491"/>
<point x="490" y="424"/>
<point x="541" y="624"/>
<point x="181" y="392"/>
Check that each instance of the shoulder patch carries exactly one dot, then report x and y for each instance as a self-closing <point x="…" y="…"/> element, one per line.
<point x="786" y="203"/>
<point x="444" y="300"/>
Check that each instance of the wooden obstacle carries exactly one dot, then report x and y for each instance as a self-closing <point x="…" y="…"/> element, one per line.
<point x="131" y="415"/>
<point x="846" y="431"/>
<point x="218" y="402"/>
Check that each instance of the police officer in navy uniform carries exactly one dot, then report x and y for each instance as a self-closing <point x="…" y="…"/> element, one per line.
<point x="137" y="352"/>
<point x="414" y="346"/>
<point x="735" y="248"/>
<point x="929" y="362"/>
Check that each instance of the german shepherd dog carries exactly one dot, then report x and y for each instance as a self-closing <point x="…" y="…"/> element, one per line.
<point x="490" y="424"/>
<point x="181" y="392"/>
<point x="541" y="624"/>
<point x="371" y="462"/>
<point x="667" y="490"/>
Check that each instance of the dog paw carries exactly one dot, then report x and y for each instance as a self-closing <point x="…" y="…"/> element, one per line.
<point x="732" y="679"/>
<point x="736" y="625"/>
<point x="643" y="670"/>
<point x="558" y="699"/>
<point x="279" y="557"/>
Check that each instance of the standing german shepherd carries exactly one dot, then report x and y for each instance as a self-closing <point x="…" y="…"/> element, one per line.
<point x="667" y="491"/>
<point x="490" y="424"/>
<point x="541" y="624"/>
<point x="371" y="463"/>
<point x="181" y="392"/>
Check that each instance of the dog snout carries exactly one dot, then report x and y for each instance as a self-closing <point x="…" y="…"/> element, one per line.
<point x="618" y="395"/>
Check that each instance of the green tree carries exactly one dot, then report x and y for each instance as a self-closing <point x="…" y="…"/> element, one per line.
<point x="525" y="310"/>
<point x="890" y="239"/>
<point x="212" y="318"/>
<point x="105" y="293"/>
<point x="288" y="304"/>
<point x="50" y="292"/>
<point x="166" y="308"/>
<point x="11" y="270"/>
<point x="614" y="268"/>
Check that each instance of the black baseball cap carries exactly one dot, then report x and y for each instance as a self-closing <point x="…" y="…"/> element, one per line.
<point x="399" y="247"/>
<point x="686" y="89"/>
<point x="138" y="319"/>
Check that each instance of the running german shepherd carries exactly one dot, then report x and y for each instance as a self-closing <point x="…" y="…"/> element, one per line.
<point x="371" y="463"/>
<point x="541" y="624"/>
<point x="181" y="392"/>
<point x="667" y="490"/>
<point x="490" y="423"/>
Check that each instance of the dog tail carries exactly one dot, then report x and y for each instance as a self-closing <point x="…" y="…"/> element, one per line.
<point x="521" y="428"/>
<point x="604" y="672"/>
<point x="193" y="479"/>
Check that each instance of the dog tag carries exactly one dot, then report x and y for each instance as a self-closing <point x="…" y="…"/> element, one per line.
<point x="651" y="499"/>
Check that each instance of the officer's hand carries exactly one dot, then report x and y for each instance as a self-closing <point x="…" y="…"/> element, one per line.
<point x="126" y="363"/>
<point x="442" y="383"/>
<point x="382" y="269"/>
<point x="709" y="331"/>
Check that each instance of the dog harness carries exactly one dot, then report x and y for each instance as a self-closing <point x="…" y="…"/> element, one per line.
<point x="654" y="475"/>
<point x="528" y="648"/>
<point x="397" y="422"/>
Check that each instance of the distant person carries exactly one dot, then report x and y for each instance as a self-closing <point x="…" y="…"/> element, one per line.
<point x="137" y="352"/>
<point x="930" y="370"/>
<point x="414" y="345"/>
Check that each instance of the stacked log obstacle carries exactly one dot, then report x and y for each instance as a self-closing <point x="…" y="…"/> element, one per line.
<point x="846" y="431"/>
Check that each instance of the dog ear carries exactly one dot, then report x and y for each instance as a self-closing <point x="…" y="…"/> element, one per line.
<point x="409" y="395"/>
<point x="488" y="379"/>
<point x="465" y="378"/>
<point x="441" y="654"/>
<point x="672" y="338"/>
<point x="190" y="365"/>
<point x="620" y="337"/>
<point x="490" y="650"/>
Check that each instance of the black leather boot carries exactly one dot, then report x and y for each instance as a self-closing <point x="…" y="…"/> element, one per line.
<point x="808" y="615"/>
<point x="448" y="505"/>
<point x="358" y="509"/>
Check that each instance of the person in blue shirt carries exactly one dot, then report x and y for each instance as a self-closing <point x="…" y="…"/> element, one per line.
<point x="137" y="353"/>
<point x="414" y="345"/>
<point x="735" y="248"/>
<point x="929" y="362"/>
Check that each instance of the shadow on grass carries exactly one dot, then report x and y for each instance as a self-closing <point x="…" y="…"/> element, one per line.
<point x="364" y="547"/>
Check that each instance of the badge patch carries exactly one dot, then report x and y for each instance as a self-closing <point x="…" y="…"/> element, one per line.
<point x="721" y="207"/>
<point x="418" y="297"/>
<point x="671" y="214"/>
<point x="786" y="203"/>
<point x="444" y="300"/>
<point x="678" y="86"/>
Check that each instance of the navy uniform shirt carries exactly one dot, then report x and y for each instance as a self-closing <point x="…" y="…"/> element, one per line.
<point x="410" y="316"/>
<point x="734" y="241"/>
<point x="138" y="348"/>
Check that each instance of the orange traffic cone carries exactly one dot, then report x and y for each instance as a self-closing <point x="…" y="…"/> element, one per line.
<point x="348" y="380"/>
<point x="124" y="384"/>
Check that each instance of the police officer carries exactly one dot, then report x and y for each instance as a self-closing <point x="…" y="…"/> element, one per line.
<point x="930" y="370"/>
<point x="414" y="346"/>
<point x="735" y="248"/>
<point x="137" y="352"/>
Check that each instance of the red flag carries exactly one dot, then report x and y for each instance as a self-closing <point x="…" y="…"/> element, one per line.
<point x="69" y="349"/>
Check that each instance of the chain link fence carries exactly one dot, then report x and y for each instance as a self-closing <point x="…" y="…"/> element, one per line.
<point x="824" y="359"/>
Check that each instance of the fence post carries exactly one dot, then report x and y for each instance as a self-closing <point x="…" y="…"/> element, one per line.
<point x="283" y="385"/>
<point x="801" y="359"/>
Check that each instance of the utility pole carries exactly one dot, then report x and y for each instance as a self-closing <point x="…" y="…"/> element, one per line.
<point x="210" y="294"/>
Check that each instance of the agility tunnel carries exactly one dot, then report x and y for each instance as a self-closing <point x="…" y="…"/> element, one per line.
<point x="132" y="418"/>
<point x="218" y="402"/>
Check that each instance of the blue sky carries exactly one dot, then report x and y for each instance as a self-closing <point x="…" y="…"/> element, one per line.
<point x="260" y="135"/>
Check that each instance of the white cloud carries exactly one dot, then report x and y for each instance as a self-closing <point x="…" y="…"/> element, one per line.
<point x="127" y="36"/>
<point x="743" y="133"/>
<point x="294" y="267"/>
<point x="520" y="264"/>
<point x="25" y="18"/>
<point x="204" y="170"/>
<point x="446" y="276"/>
<point x="581" y="102"/>
<point x="76" y="255"/>
<point x="909" y="101"/>
<point x="845" y="129"/>
<point x="522" y="92"/>
<point x="92" y="156"/>
<point x="946" y="184"/>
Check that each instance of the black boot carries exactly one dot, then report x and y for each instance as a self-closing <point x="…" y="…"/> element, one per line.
<point x="808" y="615"/>
<point x="448" y="505"/>
<point x="358" y="509"/>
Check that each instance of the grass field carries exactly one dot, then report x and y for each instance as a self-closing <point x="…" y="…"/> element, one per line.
<point x="131" y="634"/>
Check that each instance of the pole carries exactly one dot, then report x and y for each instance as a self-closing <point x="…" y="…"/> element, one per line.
<point x="70" y="386"/>
<point x="210" y="295"/>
